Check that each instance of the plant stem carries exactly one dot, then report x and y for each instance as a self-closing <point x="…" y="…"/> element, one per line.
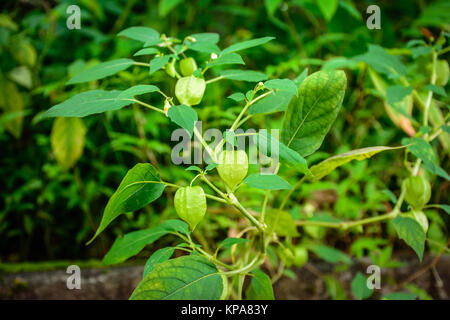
<point x="204" y="144"/>
<point x="286" y="198"/>
<point x="351" y="224"/>
<point x="141" y="64"/>
<point x="264" y="205"/>
<point x="237" y="122"/>
<point x="427" y="109"/>
<point x="430" y="93"/>
<point x="215" y="198"/>
<point x="241" y="278"/>
<point x="235" y="202"/>
<point x="246" y="268"/>
<point x="203" y="252"/>
<point x="244" y="120"/>
<point x="209" y="183"/>
<point x="147" y="105"/>
<point x="214" y="79"/>
<point x="244" y="110"/>
<point x="232" y="200"/>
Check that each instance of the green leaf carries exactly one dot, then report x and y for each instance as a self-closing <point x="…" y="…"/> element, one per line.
<point x="382" y="61"/>
<point x="420" y="51"/>
<point x="146" y="51"/>
<point x="246" y="44"/>
<point x="142" y="34"/>
<point x="436" y="89"/>
<point x="22" y="75"/>
<point x="193" y="168"/>
<point x="274" y="102"/>
<point x="331" y="255"/>
<point x="420" y="293"/>
<point x="231" y="58"/>
<point x="400" y="296"/>
<point x="7" y="22"/>
<point x="139" y="187"/>
<point x="131" y="244"/>
<point x="391" y="195"/>
<point x="309" y="116"/>
<point x="209" y="37"/>
<point x="228" y="242"/>
<point x="350" y="8"/>
<point x="340" y="63"/>
<point x="267" y="182"/>
<point x="205" y="47"/>
<point x="204" y="42"/>
<point x="158" y="256"/>
<point x="281" y="222"/>
<point x="290" y="274"/>
<point x="397" y="93"/>
<point x="436" y="14"/>
<point x="291" y="157"/>
<point x="328" y="8"/>
<point x="87" y="103"/>
<point x="185" y="278"/>
<point x="334" y="288"/>
<point x="423" y="150"/>
<point x="284" y="85"/>
<point x="359" y="287"/>
<point x="411" y="231"/>
<point x="211" y="166"/>
<point x="327" y="166"/>
<point x="158" y="63"/>
<point x="176" y="225"/>
<point x="137" y="90"/>
<point x="23" y="51"/>
<point x="260" y="287"/>
<point x="67" y="139"/>
<point x="101" y="70"/>
<point x="11" y="102"/>
<point x="271" y="6"/>
<point x="165" y="6"/>
<point x="444" y="207"/>
<point x="184" y="116"/>
<point x="302" y="76"/>
<point x="244" y="75"/>
<point x="237" y="97"/>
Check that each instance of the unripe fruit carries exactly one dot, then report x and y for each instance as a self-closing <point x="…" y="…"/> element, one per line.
<point x="233" y="167"/>
<point x="442" y="72"/>
<point x="300" y="256"/>
<point x="420" y="217"/>
<point x="189" y="90"/>
<point x="190" y="204"/>
<point x="418" y="191"/>
<point x="170" y="68"/>
<point x="286" y="256"/>
<point x="188" y="66"/>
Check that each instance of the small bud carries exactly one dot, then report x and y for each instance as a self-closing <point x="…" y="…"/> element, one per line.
<point x="214" y="56"/>
<point x="259" y="86"/>
<point x="166" y="106"/>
